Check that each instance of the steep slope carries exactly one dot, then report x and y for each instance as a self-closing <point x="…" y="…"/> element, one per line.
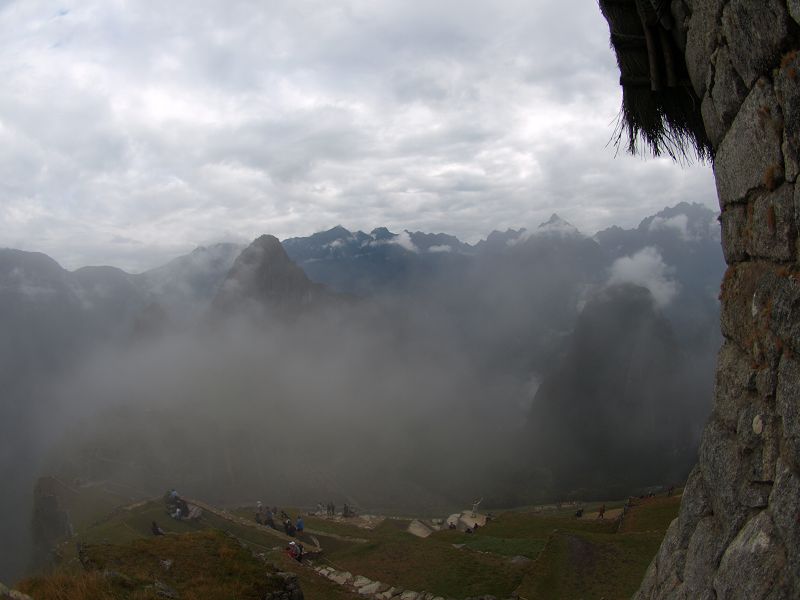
<point x="185" y="287"/>
<point x="112" y="298"/>
<point x="43" y="326"/>
<point x="263" y="279"/>
<point x="614" y="414"/>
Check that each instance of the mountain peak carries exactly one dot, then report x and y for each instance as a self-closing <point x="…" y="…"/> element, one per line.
<point x="556" y="224"/>
<point x="263" y="276"/>
<point x="381" y="233"/>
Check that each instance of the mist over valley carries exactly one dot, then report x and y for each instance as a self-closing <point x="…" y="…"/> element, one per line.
<point x="397" y="372"/>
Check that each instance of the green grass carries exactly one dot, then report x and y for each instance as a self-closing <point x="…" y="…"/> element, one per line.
<point x="527" y="547"/>
<point x="652" y="514"/>
<point x="314" y="586"/>
<point x="576" y="566"/>
<point x="570" y="558"/>
<point x="529" y="524"/>
<point x="432" y="564"/>
<point x="206" y="565"/>
<point x="587" y="559"/>
<point x="343" y="528"/>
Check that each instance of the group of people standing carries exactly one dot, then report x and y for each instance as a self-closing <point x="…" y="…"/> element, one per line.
<point x="266" y="516"/>
<point x="330" y="510"/>
<point x="176" y="506"/>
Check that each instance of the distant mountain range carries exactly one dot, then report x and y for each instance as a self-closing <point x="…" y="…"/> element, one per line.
<point x="552" y="335"/>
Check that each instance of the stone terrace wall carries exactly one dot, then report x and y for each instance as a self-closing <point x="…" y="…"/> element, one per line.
<point x="738" y="533"/>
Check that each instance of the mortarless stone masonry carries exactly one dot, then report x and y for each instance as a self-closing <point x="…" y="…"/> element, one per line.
<point x="738" y="532"/>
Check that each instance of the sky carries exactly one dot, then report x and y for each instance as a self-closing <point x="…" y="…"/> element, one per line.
<point x="133" y="131"/>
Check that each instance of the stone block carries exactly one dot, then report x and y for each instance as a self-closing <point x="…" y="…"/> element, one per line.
<point x="735" y="232"/>
<point x="753" y="566"/>
<point x="8" y="594"/>
<point x="721" y="466"/>
<point x="728" y="90"/>
<point x="791" y="160"/>
<point x="772" y="225"/>
<point x="784" y="503"/>
<point x="766" y="379"/>
<point x="787" y="398"/>
<point x="750" y="155"/>
<point x="695" y="506"/>
<point x="739" y="315"/>
<point x="372" y="588"/>
<point x="759" y="436"/>
<point x="774" y="308"/>
<point x="701" y="41"/>
<point x="797" y="210"/>
<point x="787" y="91"/>
<point x="794" y="9"/>
<point x="712" y="122"/>
<point x="702" y="558"/>
<point x="755" y="32"/>
<point x="663" y="576"/>
<point x="341" y="577"/>
<point x="734" y="384"/>
<point x="784" y="313"/>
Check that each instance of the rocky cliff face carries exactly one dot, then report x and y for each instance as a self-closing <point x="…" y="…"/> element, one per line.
<point x="738" y="533"/>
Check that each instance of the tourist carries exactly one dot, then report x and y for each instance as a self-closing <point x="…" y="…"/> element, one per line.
<point x="299" y="525"/>
<point x="289" y="528"/>
<point x="295" y="551"/>
<point x="156" y="529"/>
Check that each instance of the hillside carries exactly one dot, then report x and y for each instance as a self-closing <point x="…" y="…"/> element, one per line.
<point x="536" y="553"/>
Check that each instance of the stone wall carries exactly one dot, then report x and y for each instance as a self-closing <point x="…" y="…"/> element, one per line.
<point x="738" y="533"/>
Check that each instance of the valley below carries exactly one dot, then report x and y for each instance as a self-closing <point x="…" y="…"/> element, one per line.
<point x="403" y="374"/>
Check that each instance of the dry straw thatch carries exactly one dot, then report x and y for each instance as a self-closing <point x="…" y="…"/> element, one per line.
<point x="660" y="110"/>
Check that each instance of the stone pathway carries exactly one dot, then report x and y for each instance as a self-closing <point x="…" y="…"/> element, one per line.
<point x="376" y="590"/>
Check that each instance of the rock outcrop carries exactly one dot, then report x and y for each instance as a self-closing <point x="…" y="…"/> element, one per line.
<point x="8" y="594"/>
<point x="738" y="534"/>
<point x="51" y="523"/>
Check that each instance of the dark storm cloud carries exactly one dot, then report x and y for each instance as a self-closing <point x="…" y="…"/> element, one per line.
<point x="171" y="125"/>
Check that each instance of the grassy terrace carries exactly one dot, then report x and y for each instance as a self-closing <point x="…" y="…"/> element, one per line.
<point x="205" y="565"/>
<point x="548" y="555"/>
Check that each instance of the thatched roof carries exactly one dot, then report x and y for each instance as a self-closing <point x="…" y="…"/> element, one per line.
<point x="660" y="109"/>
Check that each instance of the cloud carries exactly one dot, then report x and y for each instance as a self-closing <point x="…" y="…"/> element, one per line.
<point x="403" y="240"/>
<point x="440" y="248"/>
<point x="170" y="124"/>
<point x="647" y="269"/>
<point x="677" y="223"/>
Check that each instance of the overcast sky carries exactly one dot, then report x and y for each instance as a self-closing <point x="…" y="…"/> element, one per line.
<point x="132" y="131"/>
